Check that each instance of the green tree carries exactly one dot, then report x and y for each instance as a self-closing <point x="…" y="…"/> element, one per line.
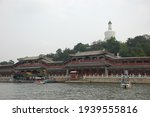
<point x="124" y="52"/>
<point x="139" y="45"/>
<point x="58" y="55"/>
<point x="112" y="45"/>
<point x="51" y="55"/>
<point x="81" y="47"/>
<point x="66" y="53"/>
<point x="97" y="45"/>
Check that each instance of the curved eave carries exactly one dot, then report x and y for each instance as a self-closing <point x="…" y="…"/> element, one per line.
<point x="130" y="67"/>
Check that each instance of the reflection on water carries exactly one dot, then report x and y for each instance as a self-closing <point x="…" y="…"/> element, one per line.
<point x="75" y="91"/>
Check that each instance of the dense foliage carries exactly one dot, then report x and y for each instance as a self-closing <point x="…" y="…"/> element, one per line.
<point x="137" y="46"/>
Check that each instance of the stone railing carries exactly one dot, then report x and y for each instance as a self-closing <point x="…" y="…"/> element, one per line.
<point x="6" y="78"/>
<point x="115" y="76"/>
<point x="100" y="76"/>
<point x="59" y="76"/>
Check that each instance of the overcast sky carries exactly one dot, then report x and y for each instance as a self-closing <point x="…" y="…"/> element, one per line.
<point x="33" y="27"/>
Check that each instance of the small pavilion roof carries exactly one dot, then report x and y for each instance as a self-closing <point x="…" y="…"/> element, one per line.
<point x="29" y="58"/>
<point x="42" y="57"/>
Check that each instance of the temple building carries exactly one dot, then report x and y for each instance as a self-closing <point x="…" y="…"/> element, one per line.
<point x="98" y="63"/>
<point x="38" y="66"/>
<point x="104" y="63"/>
<point x="89" y="63"/>
<point x="6" y="70"/>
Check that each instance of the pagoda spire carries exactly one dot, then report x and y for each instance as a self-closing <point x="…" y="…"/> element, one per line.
<point x="109" y="25"/>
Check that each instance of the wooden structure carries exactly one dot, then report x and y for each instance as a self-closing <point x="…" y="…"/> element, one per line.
<point x="93" y="63"/>
<point x="6" y="70"/>
<point x="105" y="63"/>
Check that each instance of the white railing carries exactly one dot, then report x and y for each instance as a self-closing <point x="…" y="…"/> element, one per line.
<point x="101" y="76"/>
<point x="59" y="76"/>
<point x="115" y="76"/>
<point x="3" y="78"/>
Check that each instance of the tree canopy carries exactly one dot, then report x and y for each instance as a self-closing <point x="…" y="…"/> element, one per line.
<point x="133" y="47"/>
<point x="137" y="46"/>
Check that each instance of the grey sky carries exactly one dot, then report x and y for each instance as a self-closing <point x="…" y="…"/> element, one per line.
<point x="33" y="27"/>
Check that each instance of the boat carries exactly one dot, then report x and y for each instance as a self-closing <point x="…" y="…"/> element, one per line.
<point x="44" y="80"/>
<point x="125" y="83"/>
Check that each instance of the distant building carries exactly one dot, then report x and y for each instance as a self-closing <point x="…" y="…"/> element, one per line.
<point x="39" y="66"/>
<point x="110" y="33"/>
<point x="102" y="62"/>
<point x="97" y="63"/>
<point x="6" y="70"/>
<point x="85" y="63"/>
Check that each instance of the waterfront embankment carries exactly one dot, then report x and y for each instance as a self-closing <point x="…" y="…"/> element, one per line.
<point x="111" y="80"/>
<point x="91" y="79"/>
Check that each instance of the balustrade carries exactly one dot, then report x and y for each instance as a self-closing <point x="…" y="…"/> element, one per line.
<point x="115" y="76"/>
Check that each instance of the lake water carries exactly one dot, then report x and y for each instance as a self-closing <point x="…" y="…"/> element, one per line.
<point x="73" y="91"/>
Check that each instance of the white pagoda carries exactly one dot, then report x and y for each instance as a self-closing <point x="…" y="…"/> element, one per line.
<point x="110" y="33"/>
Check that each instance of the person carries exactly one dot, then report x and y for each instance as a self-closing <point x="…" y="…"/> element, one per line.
<point x="123" y="80"/>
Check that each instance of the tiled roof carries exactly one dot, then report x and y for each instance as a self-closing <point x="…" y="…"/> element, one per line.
<point x="47" y="60"/>
<point x="44" y="58"/>
<point x="87" y="53"/>
<point x="29" y="58"/>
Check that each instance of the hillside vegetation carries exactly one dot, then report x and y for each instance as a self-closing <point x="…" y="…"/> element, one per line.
<point x="137" y="46"/>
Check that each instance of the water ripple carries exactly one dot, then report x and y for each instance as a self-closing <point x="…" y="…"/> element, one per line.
<point x="73" y="91"/>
